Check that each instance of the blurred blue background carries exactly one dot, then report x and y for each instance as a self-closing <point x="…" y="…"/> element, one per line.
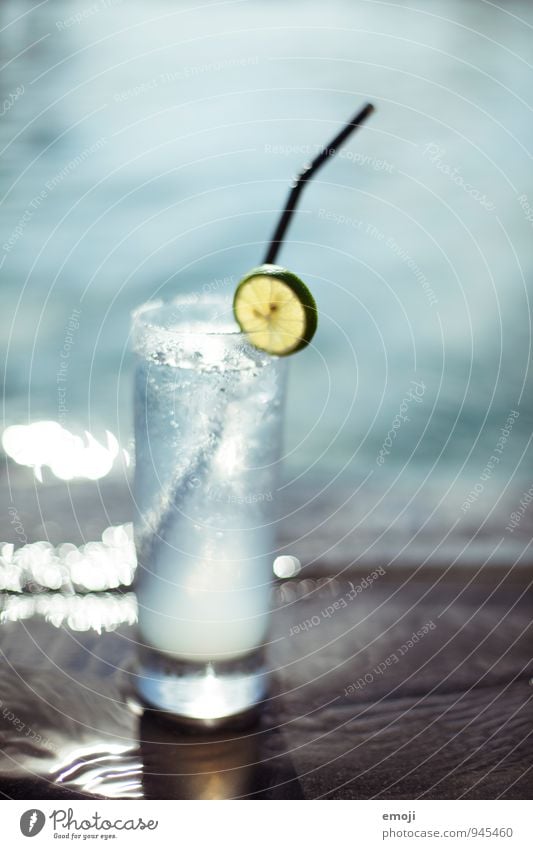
<point x="146" y="150"/>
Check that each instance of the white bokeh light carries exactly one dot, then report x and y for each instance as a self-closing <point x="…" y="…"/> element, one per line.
<point x="286" y="566"/>
<point x="47" y="443"/>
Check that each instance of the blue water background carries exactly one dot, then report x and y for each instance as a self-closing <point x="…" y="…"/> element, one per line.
<point x="146" y="151"/>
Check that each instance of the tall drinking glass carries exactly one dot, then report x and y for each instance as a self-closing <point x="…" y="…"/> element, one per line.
<point x="208" y="414"/>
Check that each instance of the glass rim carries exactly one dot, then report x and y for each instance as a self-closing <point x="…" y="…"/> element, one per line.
<point x="144" y="316"/>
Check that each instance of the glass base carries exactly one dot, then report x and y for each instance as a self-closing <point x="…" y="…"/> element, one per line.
<point x="208" y="694"/>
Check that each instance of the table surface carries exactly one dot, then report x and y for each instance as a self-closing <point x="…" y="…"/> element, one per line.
<point x="360" y="708"/>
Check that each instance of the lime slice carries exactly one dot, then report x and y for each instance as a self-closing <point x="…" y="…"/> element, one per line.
<point x="275" y="309"/>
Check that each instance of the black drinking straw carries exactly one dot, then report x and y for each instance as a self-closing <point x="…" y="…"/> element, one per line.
<point x="306" y="174"/>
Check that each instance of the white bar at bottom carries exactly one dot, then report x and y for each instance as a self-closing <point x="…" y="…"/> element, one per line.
<point x="264" y="824"/>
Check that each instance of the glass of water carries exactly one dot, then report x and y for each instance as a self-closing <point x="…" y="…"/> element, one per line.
<point x="208" y="415"/>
